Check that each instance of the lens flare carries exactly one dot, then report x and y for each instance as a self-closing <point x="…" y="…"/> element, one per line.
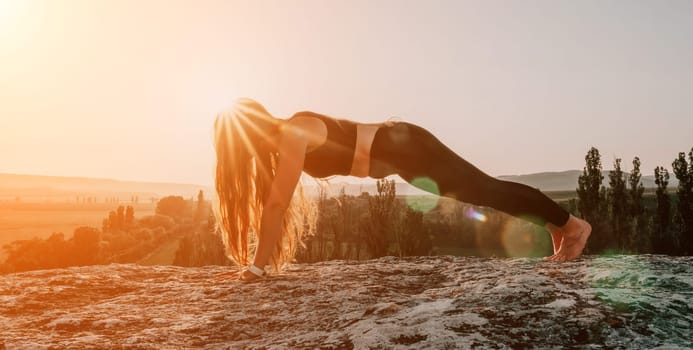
<point x="424" y="203"/>
<point x="521" y="238"/>
<point x="473" y="214"/>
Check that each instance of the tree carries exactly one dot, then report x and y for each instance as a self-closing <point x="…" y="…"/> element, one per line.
<point x="121" y="216"/>
<point x="57" y="252"/>
<point x="413" y="239"/>
<point x="113" y="221"/>
<point x="591" y="199"/>
<point x="199" y="211"/>
<point x="172" y="206"/>
<point x="24" y="255"/>
<point x="638" y="227"/>
<point x="684" y="215"/>
<point x="201" y="248"/>
<point x="661" y="221"/>
<point x="322" y="227"/>
<point x="129" y="216"/>
<point x="155" y="221"/>
<point x="618" y="205"/>
<point x="380" y="209"/>
<point x="86" y="244"/>
<point x="104" y="226"/>
<point x="341" y="223"/>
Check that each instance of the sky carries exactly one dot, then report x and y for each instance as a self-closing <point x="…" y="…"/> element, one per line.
<point x="129" y="89"/>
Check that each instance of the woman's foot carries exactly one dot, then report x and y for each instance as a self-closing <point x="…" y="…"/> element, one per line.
<point x="556" y="236"/>
<point x="251" y="273"/>
<point x="247" y="276"/>
<point x="573" y="238"/>
<point x="556" y="239"/>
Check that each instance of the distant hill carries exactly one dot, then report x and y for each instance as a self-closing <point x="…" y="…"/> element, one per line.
<point x="568" y="180"/>
<point x="546" y="181"/>
<point x="40" y="187"/>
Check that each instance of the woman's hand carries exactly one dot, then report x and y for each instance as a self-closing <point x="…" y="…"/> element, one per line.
<point x="244" y="276"/>
<point x="247" y="276"/>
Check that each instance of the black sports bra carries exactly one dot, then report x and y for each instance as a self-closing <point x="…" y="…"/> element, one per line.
<point x="335" y="156"/>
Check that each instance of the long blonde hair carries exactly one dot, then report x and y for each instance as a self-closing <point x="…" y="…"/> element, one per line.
<point x="245" y="141"/>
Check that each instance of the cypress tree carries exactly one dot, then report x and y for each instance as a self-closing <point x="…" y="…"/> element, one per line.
<point x="113" y="221"/>
<point x="618" y="205"/>
<point x="684" y="216"/>
<point x="591" y="201"/>
<point x="129" y="216"/>
<point x="661" y="238"/>
<point x="638" y="228"/>
<point x="199" y="211"/>
<point x="121" y="216"/>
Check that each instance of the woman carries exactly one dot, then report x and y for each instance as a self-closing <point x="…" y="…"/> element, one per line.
<point x="260" y="159"/>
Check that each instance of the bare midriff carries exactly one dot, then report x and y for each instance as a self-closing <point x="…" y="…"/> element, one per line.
<point x="365" y="133"/>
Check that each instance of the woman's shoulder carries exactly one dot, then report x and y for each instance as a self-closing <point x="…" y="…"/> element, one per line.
<point x="307" y="114"/>
<point x="309" y="124"/>
<point x="307" y="118"/>
<point x="309" y="121"/>
<point x="326" y="119"/>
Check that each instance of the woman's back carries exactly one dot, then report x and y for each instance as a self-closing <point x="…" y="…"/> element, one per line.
<point x="336" y="154"/>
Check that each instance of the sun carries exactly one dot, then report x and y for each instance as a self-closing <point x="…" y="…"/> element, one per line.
<point x="11" y="13"/>
<point x="9" y="10"/>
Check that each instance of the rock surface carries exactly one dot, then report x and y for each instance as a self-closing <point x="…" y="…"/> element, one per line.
<point x="390" y="303"/>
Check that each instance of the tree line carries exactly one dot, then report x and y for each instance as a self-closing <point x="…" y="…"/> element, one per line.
<point x="624" y="221"/>
<point x="371" y="226"/>
<point x="123" y="238"/>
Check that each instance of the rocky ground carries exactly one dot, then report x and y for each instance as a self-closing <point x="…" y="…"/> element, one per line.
<point x="390" y="303"/>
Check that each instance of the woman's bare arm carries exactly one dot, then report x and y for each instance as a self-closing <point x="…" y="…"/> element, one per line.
<point x="292" y="150"/>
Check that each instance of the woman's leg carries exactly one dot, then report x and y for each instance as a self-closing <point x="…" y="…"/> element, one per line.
<point x="420" y="158"/>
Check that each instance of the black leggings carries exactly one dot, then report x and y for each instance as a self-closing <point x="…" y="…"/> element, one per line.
<point x="412" y="152"/>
